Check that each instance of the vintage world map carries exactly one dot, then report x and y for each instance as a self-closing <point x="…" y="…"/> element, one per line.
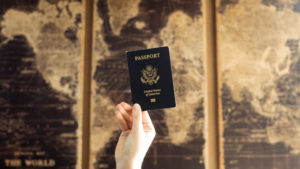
<point x="39" y="89"/>
<point x="259" y="60"/>
<point x="259" y="65"/>
<point x="139" y="24"/>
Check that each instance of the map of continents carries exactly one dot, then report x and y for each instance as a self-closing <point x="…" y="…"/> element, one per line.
<point x="39" y="57"/>
<point x="138" y="24"/>
<point x="259" y="71"/>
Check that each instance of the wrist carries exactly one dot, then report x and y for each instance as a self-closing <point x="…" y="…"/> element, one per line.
<point x="126" y="164"/>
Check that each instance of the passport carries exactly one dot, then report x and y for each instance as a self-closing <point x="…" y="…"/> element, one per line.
<point x="151" y="79"/>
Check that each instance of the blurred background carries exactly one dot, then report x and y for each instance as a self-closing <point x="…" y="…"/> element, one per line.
<point x="63" y="70"/>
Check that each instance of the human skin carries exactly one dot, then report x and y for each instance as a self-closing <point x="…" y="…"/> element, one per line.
<point x="137" y="135"/>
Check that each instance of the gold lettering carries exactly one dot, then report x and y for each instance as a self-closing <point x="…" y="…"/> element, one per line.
<point x="146" y="57"/>
<point x="153" y="100"/>
<point x="152" y="92"/>
<point x="13" y="162"/>
<point x="40" y="162"/>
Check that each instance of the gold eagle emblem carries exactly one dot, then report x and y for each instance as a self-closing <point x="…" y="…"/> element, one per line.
<point x="149" y="75"/>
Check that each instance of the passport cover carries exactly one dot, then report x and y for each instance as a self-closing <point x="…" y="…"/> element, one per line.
<point x="151" y="78"/>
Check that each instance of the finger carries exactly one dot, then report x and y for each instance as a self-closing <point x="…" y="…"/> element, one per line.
<point x="121" y="121"/>
<point x="127" y="107"/>
<point x="137" y="119"/>
<point x="147" y="120"/>
<point x="126" y="116"/>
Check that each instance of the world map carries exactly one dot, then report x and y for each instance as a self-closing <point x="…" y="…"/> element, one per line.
<point x="259" y="71"/>
<point x="40" y="54"/>
<point x="139" y="24"/>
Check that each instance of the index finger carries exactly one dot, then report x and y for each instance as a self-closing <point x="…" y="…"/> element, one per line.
<point x="122" y="122"/>
<point x="126" y="107"/>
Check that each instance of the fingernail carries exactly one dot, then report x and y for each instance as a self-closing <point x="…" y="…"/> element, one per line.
<point x="136" y="107"/>
<point x="136" y="110"/>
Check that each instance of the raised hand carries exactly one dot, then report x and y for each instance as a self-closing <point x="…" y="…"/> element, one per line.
<point x="137" y="135"/>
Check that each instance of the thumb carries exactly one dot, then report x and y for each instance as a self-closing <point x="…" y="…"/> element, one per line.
<point x="137" y="118"/>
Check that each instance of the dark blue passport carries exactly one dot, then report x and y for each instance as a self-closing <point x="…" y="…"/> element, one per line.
<point x="151" y="78"/>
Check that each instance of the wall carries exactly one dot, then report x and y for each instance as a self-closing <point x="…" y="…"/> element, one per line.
<point x="121" y="26"/>
<point x="235" y="68"/>
<point x="40" y="56"/>
<point x="258" y="54"/>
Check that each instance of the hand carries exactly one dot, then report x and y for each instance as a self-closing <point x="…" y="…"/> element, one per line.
<point x="137" y="135"/>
